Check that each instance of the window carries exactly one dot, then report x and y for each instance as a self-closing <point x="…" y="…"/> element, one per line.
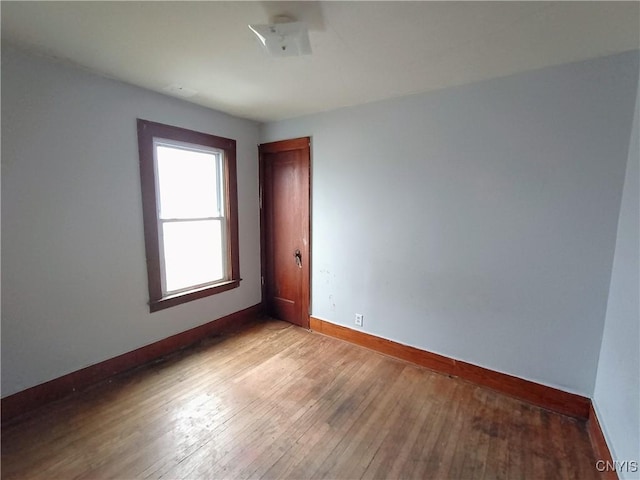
<point x="189" y="202"/>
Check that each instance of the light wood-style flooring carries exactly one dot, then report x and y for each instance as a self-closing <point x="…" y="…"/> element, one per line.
<point x="276" y="401"/>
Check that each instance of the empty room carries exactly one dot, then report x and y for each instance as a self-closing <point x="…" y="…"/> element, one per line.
<point x="329" y="240"/>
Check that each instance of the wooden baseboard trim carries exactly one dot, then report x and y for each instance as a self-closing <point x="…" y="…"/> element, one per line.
<point x="600" y="447"/>
<point x="535" y="393"/>
<point x="24" y="401"/>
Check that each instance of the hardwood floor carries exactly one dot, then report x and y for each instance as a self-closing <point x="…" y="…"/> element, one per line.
<point x="276" y="401"/>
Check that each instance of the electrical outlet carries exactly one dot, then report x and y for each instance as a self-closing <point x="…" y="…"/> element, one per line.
<point x="359" y="319"/>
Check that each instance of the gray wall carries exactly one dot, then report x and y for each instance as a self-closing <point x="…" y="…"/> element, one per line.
<point x="617" y="392"/>
<point x="73" y="261"/>
<point x="478" y="222"/>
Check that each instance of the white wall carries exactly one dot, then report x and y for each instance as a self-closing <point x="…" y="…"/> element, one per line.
<point x="478" y="222"/>
<point x="73" y="260"/>
<point x="617" y="391"/>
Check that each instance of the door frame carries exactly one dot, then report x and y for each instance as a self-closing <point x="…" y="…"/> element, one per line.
<point x="302" y="143"/>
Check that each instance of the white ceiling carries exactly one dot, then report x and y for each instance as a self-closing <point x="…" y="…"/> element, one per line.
<point x="362" y="51"/>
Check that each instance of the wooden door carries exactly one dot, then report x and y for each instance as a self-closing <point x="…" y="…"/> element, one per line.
<point x="285" y="190"/>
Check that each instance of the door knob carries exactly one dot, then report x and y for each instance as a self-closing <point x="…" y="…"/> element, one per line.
<point x="298" y="256"/>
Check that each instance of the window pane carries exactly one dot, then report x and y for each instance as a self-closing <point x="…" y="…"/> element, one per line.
<point x="188" y="183"/>
<point x="193" y="253"/>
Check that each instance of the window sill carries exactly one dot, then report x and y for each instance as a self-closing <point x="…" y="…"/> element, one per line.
<point x="184" y="297"/>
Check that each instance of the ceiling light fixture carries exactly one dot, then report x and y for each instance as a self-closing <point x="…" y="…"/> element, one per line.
<point x="287" y="39"/>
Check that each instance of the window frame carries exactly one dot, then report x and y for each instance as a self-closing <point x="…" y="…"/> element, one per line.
<point x="221" y="200"/>
<point x="148" y="133"/>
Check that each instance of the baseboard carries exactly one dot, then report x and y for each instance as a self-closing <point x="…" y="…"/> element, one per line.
<point x="600" y="447"/>
<point x="535" y="393"/>
<point x="22" y="402"/>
